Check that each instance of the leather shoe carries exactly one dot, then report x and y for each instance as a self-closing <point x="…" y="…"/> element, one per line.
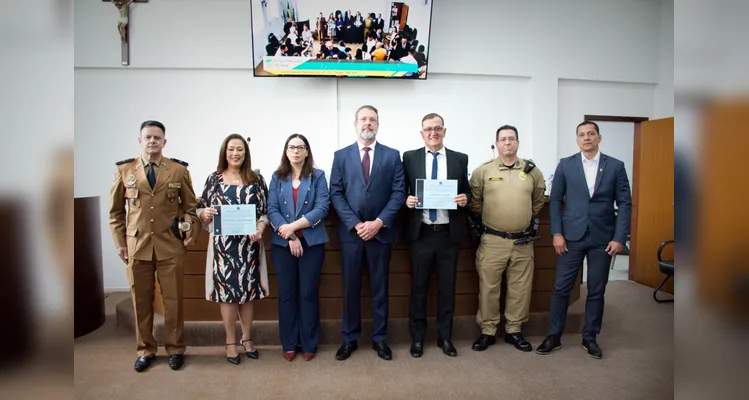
<point x="593" y="349"/>
<point x="483" y="342"/>
<point x="417" y="349"/>
<point x="176" y="361"/>
<point x="143" y="362"/>
<point x="518" y="341"/>
<point x="447" y="347"/>
<point x="383" y="350"/>
<point x="308" y="356"/>
<point x="344" y="352"/>
<point x="551" y="343"/>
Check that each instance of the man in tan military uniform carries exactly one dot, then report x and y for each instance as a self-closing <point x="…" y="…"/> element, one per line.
<point x="150" y="196"/>
<point x="508" y="193"/>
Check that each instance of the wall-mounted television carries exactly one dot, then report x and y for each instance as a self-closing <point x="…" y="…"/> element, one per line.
<point x="341" y="38"/>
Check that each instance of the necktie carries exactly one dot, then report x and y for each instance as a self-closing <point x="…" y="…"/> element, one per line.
<point x="365" y="164"/>
<point x="432" y="212"/>
<point x="151" y="174"/>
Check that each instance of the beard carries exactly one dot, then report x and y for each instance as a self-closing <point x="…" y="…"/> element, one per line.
<point x="367" y="135"/>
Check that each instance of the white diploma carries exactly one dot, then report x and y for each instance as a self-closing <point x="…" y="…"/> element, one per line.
<point x="436" y="194"/>
<point x="235" y="219"/>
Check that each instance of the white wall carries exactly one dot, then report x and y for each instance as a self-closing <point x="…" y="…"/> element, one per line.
<point x="619" y="142"/>
<point x="548" y="63"/>
<point x="578" y="98"/>
<point x="664" y="91"/>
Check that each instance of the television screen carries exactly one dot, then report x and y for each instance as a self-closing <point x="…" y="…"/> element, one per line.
<point x="341" y="38"/>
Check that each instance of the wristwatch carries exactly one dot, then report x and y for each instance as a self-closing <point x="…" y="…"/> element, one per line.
<point x="292" y="236"/>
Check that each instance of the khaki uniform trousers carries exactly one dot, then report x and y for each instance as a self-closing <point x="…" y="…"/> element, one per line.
<point x="170" y="274"/>
<point x="494" y="256"/>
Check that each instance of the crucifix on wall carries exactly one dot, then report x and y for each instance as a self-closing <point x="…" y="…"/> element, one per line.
<point x="123" y="6"/>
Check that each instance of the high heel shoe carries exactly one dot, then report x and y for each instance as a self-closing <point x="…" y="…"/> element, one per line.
<point x="236" y="359"/>
<point x="250" y="354"/>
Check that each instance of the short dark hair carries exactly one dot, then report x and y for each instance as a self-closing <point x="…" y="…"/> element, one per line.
<point x="503" y="127"/>
<point x="433" y="115"/>
<point x="588" y="123"/>
<point x="153" y="123"/>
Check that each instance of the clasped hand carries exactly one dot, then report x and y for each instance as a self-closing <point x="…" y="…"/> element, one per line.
<point x="368" y="230"/>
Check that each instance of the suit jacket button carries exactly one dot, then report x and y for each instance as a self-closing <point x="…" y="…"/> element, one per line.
<point x="151" y="219"/>
<point x="152" y="207"/>
<point x="287" y="215"/>
<point x="305" y="202"/>
<point x="284" y="202"/>
<point x="152" y="233"/>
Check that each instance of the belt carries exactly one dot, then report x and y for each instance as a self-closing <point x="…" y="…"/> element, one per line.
<point x="505" y="235"/>
<point x="435" y="227"/>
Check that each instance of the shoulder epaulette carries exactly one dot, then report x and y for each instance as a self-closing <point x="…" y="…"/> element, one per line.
<point x="529" y="165"/>
<point x="124" y="161"/>
<point x="488" y="161"/>
<point x="179" y="161"/>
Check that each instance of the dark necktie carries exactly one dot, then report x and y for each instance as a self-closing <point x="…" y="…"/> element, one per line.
<point x="365" y="164"/>
<point x="432" y="212"/>
<point x="151" y="176"/>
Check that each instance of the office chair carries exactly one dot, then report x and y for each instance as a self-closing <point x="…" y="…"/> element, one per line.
<point x="666" y="267"/>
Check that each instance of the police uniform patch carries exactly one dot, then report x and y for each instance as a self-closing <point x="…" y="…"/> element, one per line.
<point x="522" y="176"/>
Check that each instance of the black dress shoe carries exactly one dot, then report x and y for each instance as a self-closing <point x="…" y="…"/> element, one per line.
<point x="345" y="350"/>
<point x="417" y="349"/>
<point x="383" y="350"/>
<point x="549" y="344"/>
<point x="483" y="342"/>
<point x="176" y="361"/>
<point x="233" y="360"/>
<point x="593" y="349"/>
<point x="518" y="341"/>
<point x="447" y="347"/>
<point x="143" y="362"/>
<point x="250" y="354"/>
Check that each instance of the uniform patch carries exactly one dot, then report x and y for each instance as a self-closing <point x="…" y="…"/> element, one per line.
<point x="495" y="178"/>
<point x="522" y="176"/>
<point x="175" y="185"/>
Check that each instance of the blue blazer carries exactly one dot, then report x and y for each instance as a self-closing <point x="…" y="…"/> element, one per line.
<point x="356" y="201"/>
<point x="581" y="211"/>
<point x="312" y="203"/>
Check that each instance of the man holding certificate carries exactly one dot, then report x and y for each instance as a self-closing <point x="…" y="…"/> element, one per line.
<point x="437" y="184"/>
<point x="508" y="193"/>
<point x="367" y="191"/>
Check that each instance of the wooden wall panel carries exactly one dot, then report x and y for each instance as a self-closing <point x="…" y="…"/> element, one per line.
<point x="197" y="308"/>
<point x="652" y="200"/>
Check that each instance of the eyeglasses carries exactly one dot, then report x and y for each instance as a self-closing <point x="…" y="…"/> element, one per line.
<point x="510" y="139"/>
<point x="296" y="148"/>
<point x="436" y="129"/>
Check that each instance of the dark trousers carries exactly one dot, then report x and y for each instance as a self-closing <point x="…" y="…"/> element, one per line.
<point x="598" y="276"/>
<point x="377" y="256"/>
<point x="433" y="249"/>
<point x="298" y="296"/>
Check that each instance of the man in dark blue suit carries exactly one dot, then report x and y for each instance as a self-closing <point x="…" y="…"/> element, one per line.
<point x="367" y="188"/>
<point x="588" y="183"/>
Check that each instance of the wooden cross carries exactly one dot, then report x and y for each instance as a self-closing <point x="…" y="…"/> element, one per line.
<point x="123" y="6"/>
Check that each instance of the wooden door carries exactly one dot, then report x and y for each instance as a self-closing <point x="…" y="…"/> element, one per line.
<point x="652" y="201"/>
<point x="720" y="206"/>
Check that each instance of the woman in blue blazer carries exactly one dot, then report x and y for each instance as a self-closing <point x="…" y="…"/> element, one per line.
<point x="298" y="202"/>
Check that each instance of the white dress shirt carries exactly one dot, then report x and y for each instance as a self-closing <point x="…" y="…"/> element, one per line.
<point x="442" y="217"/>
<point x="371" y="154"/>
<point x="590" y="167"/>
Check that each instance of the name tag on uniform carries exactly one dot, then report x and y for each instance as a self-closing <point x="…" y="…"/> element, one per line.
<point x="175" y="185"/>
<point x="495" y="178"/>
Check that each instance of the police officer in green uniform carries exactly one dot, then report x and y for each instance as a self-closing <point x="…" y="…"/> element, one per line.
<point x="507" y="194"/>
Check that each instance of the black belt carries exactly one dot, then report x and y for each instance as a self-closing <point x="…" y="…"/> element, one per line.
<point x="435" y="227"/>
<point x="505" y="235"/>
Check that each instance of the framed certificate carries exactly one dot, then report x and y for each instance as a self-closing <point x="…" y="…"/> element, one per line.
<point x="235" y="219"/>
<point x="436" y="194"/>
